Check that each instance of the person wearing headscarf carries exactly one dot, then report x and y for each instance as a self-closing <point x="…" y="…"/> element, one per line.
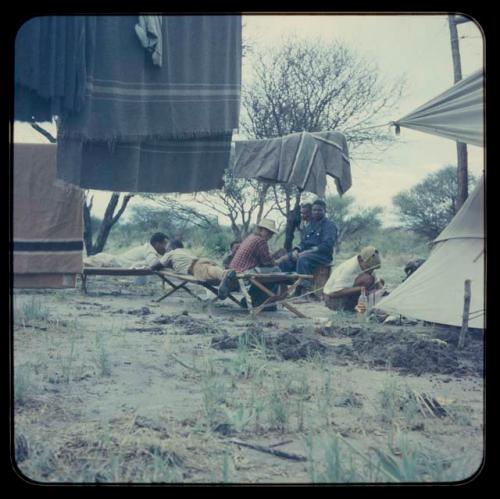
<point x="346" y="281"/>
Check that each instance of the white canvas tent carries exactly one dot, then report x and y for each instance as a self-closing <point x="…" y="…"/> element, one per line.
<point x="456" y="114"/>
<point x="435" y="292"/>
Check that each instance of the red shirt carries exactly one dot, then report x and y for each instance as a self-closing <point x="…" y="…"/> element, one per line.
<point x="253" y="252"/>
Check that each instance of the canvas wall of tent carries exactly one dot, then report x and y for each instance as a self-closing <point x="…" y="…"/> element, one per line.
<point x="435" y="292"/>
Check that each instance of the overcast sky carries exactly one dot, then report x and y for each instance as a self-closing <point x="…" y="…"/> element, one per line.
<point x="416" y="46"/>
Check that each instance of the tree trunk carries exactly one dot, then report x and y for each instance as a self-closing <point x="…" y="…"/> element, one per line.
<point x="262" y="199"/>
<point x="106" y="224"/>
<point x="462" y="175"/>
<point x="44" y="132"/>
<point x="87" y="228"/>
<point x="465" y="317"/>
<point x="236" y="230"/>
<point x="108" y="221"/>
<point x="292" y="222"/>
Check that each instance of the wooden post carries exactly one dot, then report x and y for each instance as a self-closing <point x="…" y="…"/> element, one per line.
<point x="320" y="278"/>
<point x="84" y="282"/>
<point x="465" y="319"/>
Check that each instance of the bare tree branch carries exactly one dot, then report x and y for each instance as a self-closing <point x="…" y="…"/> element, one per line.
<point x="44" y="132"/>
<point x="124" y="204"/>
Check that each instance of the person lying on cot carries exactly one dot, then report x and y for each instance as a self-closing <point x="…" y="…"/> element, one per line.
<point x="182" y="261"/>
<point x="145" y="256"/>
<point x="343" y="288"/>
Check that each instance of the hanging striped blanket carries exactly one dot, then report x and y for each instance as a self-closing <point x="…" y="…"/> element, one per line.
<point x="301" y="159"/>
<point x="48" y="226"/>
<point x="146" y="128"/>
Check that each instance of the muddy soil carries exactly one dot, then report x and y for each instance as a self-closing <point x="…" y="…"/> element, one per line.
<point x="185" y="324"/>
<point x="286" y="345"/>
<point x="407" y="351"/>
<point x="414" y="351"/>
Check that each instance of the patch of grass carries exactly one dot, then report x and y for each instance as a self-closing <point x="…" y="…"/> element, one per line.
<point x="226" y="466"/>
<point x="249" y="361"/>
<point x="278" y="409"/>
<point x="396" y="403"/>
<point x="461" y="414"/>
<point x="418" y="464"/>
<point x="240" y="417"/>
<point x="214" y="393"/>
<point x="23" y="384"/>
<point x="333" y="463"/>
<point x="257" y="404"/>
<point x="324" y="398"/>
<point x="96" y="454"/>
<point x="67" y="366"/>
<point x="102" y="358"/>
<point x="341" y="462"/>
<point x="30" y="310"/>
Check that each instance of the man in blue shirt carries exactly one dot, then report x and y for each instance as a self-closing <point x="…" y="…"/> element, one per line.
<point x="317" y="240"/>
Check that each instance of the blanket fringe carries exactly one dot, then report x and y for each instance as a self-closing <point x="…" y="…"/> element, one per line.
<point x="114" y="139"/>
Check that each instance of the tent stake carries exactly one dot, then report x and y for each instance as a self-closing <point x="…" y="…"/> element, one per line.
<point x="465" y="320"/>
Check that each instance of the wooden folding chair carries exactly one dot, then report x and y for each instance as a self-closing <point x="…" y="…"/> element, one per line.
<point x="290" y="282"/>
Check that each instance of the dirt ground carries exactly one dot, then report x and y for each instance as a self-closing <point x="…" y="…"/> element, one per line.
<point x="112" y="387"/>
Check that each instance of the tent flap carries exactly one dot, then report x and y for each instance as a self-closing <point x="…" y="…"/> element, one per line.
<point x="457" y="113"/>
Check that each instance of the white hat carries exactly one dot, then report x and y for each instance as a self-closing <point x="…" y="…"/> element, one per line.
<point x="270" y="225"/>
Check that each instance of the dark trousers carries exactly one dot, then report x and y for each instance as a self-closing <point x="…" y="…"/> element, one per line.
<point x="305" y="264"/>
<point x="257" y="295"/>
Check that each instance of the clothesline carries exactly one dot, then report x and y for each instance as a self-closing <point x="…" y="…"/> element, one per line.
<point x="376" y="126"/>
<point x="357" y="130"/>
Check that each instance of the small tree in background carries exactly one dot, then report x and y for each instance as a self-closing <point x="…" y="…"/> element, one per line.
<point x="240" y="201"/>
<point x="428" y="207"/>
<point x="357" y="226"/>
<point x="317" y="86"/>
<point x="111" y="217"/>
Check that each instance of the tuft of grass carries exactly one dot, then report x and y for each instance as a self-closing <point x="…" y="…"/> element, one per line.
<point x="278" y="409"/>
<point x="226" y="466"/>
<point x="257" y="405"/>
<point x="23" y="384"/>
<point x="397" y="403"/>
<point x="30" y="310"/>
<point x="214" y="393"/>
<point x="67" y="367"/>
<point x="337" y="463"/>
<point x="102" y="359"/>
<point x="240" y="417"/>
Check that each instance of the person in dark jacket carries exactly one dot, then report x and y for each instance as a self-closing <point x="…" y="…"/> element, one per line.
<point x="299" y="218"/>
<point x="317" y="240"/>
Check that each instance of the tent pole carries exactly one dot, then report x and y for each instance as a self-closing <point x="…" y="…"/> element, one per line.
<point x="465" y="319"/>
<point x="462" y="168"/>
